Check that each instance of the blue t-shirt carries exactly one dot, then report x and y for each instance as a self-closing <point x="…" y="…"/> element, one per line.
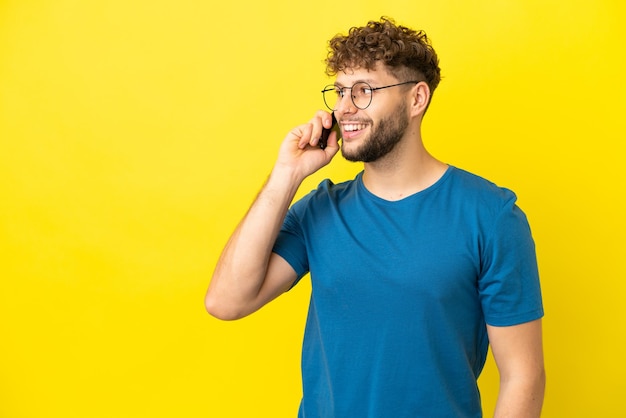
<point x="401" y="293"/>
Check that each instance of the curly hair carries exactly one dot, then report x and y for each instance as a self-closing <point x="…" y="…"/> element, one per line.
<point x="405" y="52"/>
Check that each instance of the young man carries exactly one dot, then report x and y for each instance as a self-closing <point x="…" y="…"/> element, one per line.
<point x="416" y="266"/>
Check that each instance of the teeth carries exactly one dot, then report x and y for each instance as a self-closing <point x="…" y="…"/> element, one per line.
<point x="353" y="127"/>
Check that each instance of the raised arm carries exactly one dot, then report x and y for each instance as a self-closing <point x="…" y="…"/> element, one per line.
<point x="248" y="275"/>
<point x="518" y="353"/>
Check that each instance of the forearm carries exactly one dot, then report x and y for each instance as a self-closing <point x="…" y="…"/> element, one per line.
<point x="241" y="269"/>
<point x="521" y="397"/>
<point x="246" y="275"/>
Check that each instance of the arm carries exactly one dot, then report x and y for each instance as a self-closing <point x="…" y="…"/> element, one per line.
<point x="248" y="275"/>
<point x="518" y="353"/>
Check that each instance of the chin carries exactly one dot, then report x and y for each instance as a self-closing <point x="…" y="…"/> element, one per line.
<point x="350" y="153"/>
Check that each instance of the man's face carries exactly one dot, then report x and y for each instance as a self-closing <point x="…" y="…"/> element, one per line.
<point x="372" y="133"/>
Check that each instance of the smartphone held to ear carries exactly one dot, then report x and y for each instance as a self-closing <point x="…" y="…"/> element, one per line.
<point x="326" y="133"/>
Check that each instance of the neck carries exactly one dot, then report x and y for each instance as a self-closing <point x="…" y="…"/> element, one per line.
<point x="407" y="170"/>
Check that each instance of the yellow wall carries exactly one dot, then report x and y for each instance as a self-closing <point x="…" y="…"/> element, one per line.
<point x="134" y="135"/>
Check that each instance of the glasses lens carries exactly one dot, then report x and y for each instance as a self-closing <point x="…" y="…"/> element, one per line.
<point x="331" y="96"/>
<point x="361" y="95"/>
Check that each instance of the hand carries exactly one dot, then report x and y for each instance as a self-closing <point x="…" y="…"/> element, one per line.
<point x="300" y="152"/>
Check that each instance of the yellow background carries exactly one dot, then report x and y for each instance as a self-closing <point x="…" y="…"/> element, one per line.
<point x="134" y="135"/>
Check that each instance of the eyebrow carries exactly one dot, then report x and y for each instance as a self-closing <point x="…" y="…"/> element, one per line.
<point x="363" y="80"/>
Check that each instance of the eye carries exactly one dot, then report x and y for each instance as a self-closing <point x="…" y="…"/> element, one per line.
<point x="361" y="90"/>
<point x="340" y="91"/>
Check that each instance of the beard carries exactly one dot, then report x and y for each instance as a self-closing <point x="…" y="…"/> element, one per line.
<point x="383" y="137"/>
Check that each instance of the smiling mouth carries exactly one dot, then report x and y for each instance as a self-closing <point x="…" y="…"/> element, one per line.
<point x="353" y="127"/>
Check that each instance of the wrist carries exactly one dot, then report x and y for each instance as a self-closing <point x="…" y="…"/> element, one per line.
<point x="286" y="175"/>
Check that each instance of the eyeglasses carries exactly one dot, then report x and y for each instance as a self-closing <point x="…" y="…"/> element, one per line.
<point x="361" y="94"/>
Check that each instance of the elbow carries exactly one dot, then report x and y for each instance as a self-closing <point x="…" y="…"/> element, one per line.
<point x="537" y="380"/>
<point x="542" y="381"/>
<point x="220" y="310"/>
<point x="533" y="381"/>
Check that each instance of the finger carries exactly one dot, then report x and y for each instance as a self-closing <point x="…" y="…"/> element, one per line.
<point x="333" y="142"/>
<point x="325" y="116"/>
<point x="322" y="123"/>
<point x="327" y="120"/>
<point x="306" y="135"/>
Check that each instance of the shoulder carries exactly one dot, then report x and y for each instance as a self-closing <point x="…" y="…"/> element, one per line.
<point x="479" y="190"/>
<point x="477" y="184"/>
<point x="328" y="191"/>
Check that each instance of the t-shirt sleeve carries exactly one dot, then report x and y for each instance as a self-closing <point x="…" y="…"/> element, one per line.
<point x="290" y="243"/>
<point x="509" y="286"/>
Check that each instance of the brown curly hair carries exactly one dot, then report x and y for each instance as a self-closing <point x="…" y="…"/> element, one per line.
<point x="407" y="54"/>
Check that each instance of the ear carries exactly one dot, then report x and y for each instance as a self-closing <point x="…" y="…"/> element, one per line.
<point x="420" y="99"/>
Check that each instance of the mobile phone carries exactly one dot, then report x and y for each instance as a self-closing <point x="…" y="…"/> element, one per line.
<point x="326" y="133"/>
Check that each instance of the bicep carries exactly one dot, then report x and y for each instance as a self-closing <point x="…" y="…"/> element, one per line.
<point x="279" y="278"/>
<point x="518" y="353"/>
<point x="517" y="349"/>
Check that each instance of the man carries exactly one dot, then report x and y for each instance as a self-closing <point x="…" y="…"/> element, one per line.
<point x="416" y="266"/>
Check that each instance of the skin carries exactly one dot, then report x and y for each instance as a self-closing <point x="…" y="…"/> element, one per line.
<point x="248" y="275"/>
<point x="384" y="136"/>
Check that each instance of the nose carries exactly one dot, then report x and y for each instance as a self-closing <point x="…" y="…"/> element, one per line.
<point x="345" y="104"/>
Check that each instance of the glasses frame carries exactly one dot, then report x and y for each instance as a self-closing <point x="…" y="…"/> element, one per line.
<point x="334" y="87"/>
